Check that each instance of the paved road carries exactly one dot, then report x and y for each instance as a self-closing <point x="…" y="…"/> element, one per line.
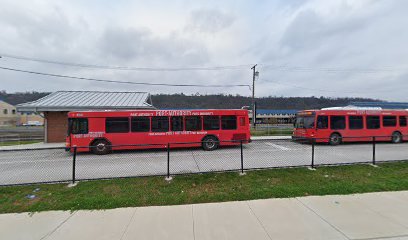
<point x="56" y="164"/>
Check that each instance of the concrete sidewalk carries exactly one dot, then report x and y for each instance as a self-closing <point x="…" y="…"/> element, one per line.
<point x="39" y="145"/>
<point x="362" y="216"/>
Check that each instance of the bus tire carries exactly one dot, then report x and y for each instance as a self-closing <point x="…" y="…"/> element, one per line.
<point x="396" y="137"/>
<point x="100" y="147"/>
<point x="335" y="139"/>
<point x="210" y="143"/>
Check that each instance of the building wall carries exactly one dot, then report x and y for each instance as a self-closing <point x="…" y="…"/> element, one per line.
<point x="56" y="125"/>
<point x="8" y="114"/>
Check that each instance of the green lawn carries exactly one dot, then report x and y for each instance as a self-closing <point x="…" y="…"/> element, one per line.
<point x="201" y="188"/>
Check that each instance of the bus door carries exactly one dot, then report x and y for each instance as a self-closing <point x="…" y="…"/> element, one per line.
<point x="322" y="127"/>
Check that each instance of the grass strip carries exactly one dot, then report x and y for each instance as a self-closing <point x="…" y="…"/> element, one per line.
<point x="13" y="143"/>
<point x="203" y="188"/>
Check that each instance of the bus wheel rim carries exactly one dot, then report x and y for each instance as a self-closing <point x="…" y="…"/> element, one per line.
<point x="100" y="147"/>
<point x="210" y="144"/>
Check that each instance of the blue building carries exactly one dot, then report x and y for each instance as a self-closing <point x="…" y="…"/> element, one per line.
<point x="274" y="116"/>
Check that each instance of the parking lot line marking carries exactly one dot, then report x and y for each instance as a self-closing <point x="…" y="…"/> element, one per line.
<point x="277" y="146"/>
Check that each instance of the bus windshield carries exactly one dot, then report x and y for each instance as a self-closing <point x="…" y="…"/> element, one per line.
<point x="305" y="122"/>
<point x="77" y="126"/>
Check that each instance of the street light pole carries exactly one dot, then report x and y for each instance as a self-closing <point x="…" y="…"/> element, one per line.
<point x="253" y="94"/>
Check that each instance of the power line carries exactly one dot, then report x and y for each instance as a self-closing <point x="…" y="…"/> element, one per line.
<point x="147" y="69"/>
<point x="265" y="67"/>
<point x="124" y="82"/>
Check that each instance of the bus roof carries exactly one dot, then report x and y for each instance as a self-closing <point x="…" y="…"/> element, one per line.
<point x="168" y="112"/>
<point x="354" y="111"/>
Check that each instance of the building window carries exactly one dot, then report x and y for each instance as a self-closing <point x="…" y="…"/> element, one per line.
<point x="13" y="111"/>
<point x="117" y="125"/>
<point x="5" y="111"/>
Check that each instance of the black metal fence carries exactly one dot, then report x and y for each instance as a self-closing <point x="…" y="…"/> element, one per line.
<point x="28" y="166"/>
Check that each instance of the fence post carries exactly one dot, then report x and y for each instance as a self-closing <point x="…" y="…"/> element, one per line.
<point x="73" y="183"/>
<point x="242" y="160"/>
<point x="312" y="165"/>
<point x="373" y="150"/>
<point x="168" y="178"/>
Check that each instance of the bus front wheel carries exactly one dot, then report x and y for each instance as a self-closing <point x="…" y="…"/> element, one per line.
<point x="396" y="137"/>
<point x="335" y="139"/>
<point x="100" y="147"/>
<point x="210" y="143"/>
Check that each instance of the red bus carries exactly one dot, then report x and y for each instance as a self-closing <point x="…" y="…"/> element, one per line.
<point x="335" y="126"/>
<point x="103" y="131"/>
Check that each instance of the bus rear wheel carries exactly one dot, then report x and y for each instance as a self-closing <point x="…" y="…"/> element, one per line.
<point x="396" y="137"/>
<point x="100" y="147"/>
<point x="210" y="143"/>
<point x="335" y="139"/>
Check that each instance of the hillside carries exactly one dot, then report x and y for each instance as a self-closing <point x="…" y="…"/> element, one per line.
<point x="212" y="101"/>
<point x="21" y="97"/>
<point x="230" y="101"/>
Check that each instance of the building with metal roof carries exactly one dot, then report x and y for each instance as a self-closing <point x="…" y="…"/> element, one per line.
<point x="56" y="106"/>
<point x="88" y="100"/>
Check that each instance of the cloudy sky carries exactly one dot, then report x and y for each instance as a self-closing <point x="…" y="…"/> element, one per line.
<point x="333" y="48"/>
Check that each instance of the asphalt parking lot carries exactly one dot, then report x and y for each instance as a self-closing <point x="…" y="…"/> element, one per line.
<point x="28" y="166"/>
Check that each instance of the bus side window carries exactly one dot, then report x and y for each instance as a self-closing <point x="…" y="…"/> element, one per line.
<point x="211" y="122"/>
<point x="193" y="123"/>
<point x="140" y="124"/>
<point x="403" y="121"/>
<point x="177" y="123"/>
<point x="229" y="122"/>
<point x="160" y="124"/>
<point x="337" y="122"/>
<point x="117" y="125"/>
<point x="355" y="122"/>
<point x="373" y="122"/>
<point x="389" y="121"/>
<point x="322" y="122"/>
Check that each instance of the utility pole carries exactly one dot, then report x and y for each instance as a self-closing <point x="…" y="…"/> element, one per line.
<point x="255" y="73"/>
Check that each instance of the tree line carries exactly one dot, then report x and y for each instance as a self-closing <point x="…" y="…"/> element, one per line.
<point x="216" y="101"/>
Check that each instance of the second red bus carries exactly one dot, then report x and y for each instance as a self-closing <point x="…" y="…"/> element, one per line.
<point x="337" y="126"/>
